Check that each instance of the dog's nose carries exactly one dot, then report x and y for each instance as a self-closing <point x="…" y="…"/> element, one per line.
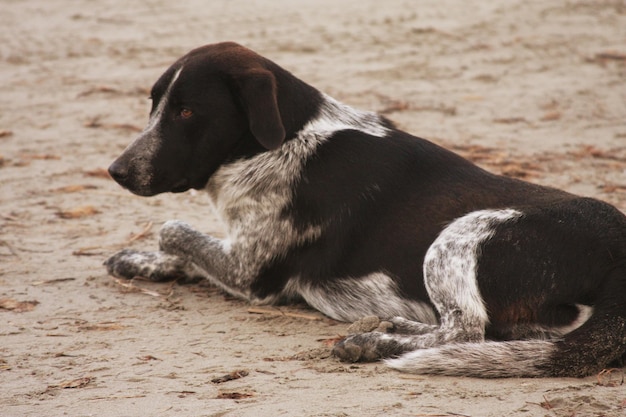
<point x="118" y="171"/>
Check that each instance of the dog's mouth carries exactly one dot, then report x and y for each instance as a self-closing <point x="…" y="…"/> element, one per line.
<point x="180" y="186"/>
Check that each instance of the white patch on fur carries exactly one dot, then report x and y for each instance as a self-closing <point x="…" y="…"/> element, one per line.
<point x="450" y="263"/>
<point x="350" y="299"/>
<point x="155" y="117"/>
<point x="147" y="144"/>
<point x="335" y="116"/>
<point x="584" y="313"/>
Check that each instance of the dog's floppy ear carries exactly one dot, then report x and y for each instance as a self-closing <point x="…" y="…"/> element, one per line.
<point x="257" y="88"/>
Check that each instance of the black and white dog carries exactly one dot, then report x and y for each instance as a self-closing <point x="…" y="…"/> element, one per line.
<point x="473" y="273"/>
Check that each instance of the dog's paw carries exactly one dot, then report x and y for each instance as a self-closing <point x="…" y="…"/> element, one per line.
<point x="359" y="348"/>
<point x="175" y="236"/>
<point x="155" y="266"/>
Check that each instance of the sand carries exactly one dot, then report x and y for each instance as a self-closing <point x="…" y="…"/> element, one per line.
<point x="533" y="89"/>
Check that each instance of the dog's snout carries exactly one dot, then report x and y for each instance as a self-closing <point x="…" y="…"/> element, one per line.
<point x="133" y="175"/>
<point x="119" y="172"/>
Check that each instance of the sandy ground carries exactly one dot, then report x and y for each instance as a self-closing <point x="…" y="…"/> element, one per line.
<point x="534" y="89"/>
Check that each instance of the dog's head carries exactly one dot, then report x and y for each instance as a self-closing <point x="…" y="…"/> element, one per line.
<point x="217" y="103"/>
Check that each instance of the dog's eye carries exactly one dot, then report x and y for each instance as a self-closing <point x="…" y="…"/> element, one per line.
<point x="186" y="113"/>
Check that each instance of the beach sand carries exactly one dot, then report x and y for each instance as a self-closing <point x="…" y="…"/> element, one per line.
<point x="531" y="89"/>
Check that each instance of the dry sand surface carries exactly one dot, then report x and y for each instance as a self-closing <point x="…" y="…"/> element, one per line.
<point x="533" y="89"/>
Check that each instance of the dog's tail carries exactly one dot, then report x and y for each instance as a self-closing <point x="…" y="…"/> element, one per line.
<point x="590" y="348"/>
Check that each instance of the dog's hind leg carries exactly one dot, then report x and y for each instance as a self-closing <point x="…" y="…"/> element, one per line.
<point x="388" y="341"/>
<point x="450" y="278"/>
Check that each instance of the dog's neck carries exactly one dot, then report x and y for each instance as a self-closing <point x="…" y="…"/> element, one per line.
<point x="271" y="174"/>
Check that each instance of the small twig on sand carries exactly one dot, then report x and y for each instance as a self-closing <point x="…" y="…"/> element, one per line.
<point x="52" y="281"/>
<point x="141" y="234"/>
<point x="89" y="250"/>
<point x="605" y="377"/>
<point x="132" y="287"/>
<point x="10" y="248"/>
<point x="275" y="312"/>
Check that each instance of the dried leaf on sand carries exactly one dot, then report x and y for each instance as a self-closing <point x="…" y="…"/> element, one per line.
<point x="75" y="188"/>
<point x="76" y="383"/>
<point x="78" y="212"/>
<point x="230" y="376"/>
<point x="234" y="395"/>
<point x="98" y="173"/>
<point x="17" y="306"/>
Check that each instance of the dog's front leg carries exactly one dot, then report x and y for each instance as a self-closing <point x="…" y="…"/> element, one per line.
<point x="186" y="253"/>
<point x="230" y="267"/>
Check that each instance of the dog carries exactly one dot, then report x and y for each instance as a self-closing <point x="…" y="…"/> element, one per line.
<point x="471" y="273"/>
